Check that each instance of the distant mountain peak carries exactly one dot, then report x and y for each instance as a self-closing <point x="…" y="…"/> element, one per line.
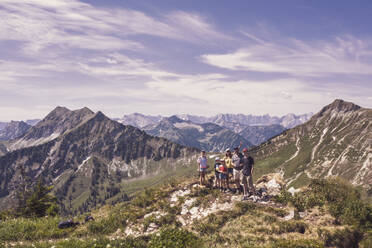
<point x="339" y="105"/>
<point x="58" y="111"/>
<point x="343" y="105"/>
<point x="84" y="110"/>
<point x="100" y="116"/>
<point x="175" y="119"/>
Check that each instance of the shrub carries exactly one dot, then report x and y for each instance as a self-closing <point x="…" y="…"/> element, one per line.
<point x="107" y="225"/>
<point x="270" y="219"/>
<point x="200" y="192"/>
<point x="296" y="244"/>
<point x="341" y="238"/>
<point x="145" y="198"/>
<point x="284" y="197"/>
<point x="215" y="221"/>
<point x="343" y="200"/>
<point x="174" y="238"/>
<point x="31" y="229"/>
<point x="291" y="226"/>
<point x="367" y="240"/>
<point x="99" y="242"/>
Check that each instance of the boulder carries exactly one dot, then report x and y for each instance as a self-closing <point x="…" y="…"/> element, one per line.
<point x="270" y="184"/>
<point x="67" y="224"/>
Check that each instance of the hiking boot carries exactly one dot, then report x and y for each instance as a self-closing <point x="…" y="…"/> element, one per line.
<point x="245" y="198"/>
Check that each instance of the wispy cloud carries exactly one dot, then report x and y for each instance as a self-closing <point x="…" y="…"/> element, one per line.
<point x="74" y="24"/>
<point x="343" y="55"/>
<point x="68" y="52"/>
<point x="75" y="37"/>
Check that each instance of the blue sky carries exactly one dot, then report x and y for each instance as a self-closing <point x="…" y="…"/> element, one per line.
<point x="198" y="57"/>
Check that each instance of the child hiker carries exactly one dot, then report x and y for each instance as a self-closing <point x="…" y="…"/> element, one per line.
<point x="217" y="181"/>
<point x="223" y="176"/>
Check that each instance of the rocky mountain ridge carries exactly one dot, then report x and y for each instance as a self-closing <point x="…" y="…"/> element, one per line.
<point x="57" y="122"/>
<point x="337" y="141"/>
<point x="89" y="158"/>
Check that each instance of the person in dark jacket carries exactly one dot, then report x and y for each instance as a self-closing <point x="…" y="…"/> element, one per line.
<point x="247" y="174"/>
<point x="237" y="163"/>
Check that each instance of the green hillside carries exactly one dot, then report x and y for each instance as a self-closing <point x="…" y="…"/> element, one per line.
<point x="177" y="213"/>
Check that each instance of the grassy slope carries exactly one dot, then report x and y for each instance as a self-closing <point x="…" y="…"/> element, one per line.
<point x="243" y="225"/>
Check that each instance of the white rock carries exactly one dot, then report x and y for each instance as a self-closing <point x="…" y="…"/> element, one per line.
<point x="293" y="190"/>
<point x="273" y="184"/>
<point x="290" y="215"/>
<point x="194" y="211"/>
<point x="180" y="193"/>
<point x="302" y="214"/>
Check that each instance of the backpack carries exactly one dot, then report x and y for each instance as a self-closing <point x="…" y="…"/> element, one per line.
<point x="222" y="168"/>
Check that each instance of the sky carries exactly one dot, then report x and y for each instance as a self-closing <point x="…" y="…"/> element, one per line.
<point x="172" y="57"/>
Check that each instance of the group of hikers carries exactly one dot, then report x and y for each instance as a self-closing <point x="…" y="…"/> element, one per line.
<point x="235" y="167"/>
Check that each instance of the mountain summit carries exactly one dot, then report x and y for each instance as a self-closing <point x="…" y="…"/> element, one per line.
<point x="339" y="106"/>
<point x="57" y="122"/>
<point x="337" y="141"/>
<point x="88" y="159"/>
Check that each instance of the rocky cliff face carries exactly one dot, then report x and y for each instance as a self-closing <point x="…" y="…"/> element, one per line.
<point x="89" y="159"/>
<point x="207" y="136"/>
<point x="13" y="130"/>
<point x="337" y="141"/>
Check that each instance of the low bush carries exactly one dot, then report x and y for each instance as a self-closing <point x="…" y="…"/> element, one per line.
<point x="343" y="200"/>
<point x="270" y="219"/>
<point x="291" y="226"/>
<point x="296" y="244"/>
<point x="108" y="225"/>
<point x="145" y="198"/>
<point x="179" y="238"/>
<point x="99" y="242"/>
<point x="32" y="229"/>
<point x="215" y="221"/>
<point x="367" y="240"/>
<point x="341" y="238"/>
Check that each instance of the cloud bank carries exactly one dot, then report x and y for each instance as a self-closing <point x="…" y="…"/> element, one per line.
<point x="122" y="60"/>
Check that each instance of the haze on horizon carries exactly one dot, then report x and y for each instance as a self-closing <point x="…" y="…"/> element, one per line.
<point x="173" y="57"/>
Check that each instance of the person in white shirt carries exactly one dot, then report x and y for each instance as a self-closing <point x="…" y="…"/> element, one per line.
<point x="202" y="167"/>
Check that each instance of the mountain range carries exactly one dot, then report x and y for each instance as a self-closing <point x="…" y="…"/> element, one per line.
<point x="235" y="122"/>
<point x="86" y="156"/>
<point x="249" y="128"/>
<point x="337" y="141"/>
<point x="206" y="136"/>
<point x="89" y="157"/>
